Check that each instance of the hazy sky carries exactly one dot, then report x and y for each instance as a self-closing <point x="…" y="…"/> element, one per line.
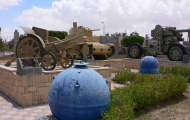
<point x="118" y="15"/>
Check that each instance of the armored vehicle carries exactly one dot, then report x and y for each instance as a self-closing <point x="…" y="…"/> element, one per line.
<point x="167" y="43"/>
<point x="92" y="44"/>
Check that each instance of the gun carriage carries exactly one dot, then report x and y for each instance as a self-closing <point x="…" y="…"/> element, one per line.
<point x="50" y="50"/>
<point x="167" y="43"/>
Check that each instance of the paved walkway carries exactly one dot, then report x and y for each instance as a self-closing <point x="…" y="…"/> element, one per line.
<point x="9" y="110"/>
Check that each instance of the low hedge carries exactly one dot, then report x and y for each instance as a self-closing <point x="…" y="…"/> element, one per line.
<point x="175" y="70"/>
<point x="149" y="90"/>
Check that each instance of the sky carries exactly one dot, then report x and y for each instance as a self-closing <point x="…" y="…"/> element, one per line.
<point x="118" y="15"/>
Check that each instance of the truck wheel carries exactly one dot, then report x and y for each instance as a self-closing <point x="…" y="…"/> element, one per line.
<point x="135" y="51"/>
<point x="176" y="51"/>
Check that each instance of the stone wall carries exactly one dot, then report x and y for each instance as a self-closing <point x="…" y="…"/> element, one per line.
<point x="31" y="90"/>
<point x="120" y="64"/>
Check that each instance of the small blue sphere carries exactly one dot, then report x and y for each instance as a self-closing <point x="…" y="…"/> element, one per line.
<point x="149" y="65"/>
<point x="78" y="93"/>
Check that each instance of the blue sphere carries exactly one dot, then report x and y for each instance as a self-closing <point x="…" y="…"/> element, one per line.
<point x="78" y="93"/>
<point x="149" y="65"/>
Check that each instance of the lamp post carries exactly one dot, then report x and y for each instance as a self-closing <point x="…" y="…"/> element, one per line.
<point x="103" y="29"/>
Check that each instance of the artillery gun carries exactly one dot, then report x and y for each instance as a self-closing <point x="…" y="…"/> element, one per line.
<point x="167" y="43"/>
<point x="49" y="50"/>
<point x="93" y="46"/>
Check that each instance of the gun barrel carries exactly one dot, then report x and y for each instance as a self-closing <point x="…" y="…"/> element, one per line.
<point x="61" y="45"/>
<point x="183" y="30"/>
<point x="95" y="30"/>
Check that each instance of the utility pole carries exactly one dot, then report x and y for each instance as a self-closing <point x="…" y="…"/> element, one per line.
<point x="103" y="29"/>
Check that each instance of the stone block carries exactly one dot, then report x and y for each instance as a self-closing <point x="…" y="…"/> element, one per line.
<point x="21" y="89"/>
<point x="43" y="93"/>
<point x="41" y="84"/>
<point x="51" y="76"/>
<point x="1" y="70"/>
<point x="27" y="99"/>
<point x="42" y="78"/>
<point x="47" y="84"/>
<point x="30" y="89"/>
<point x="102" y="72"/>
<point x="42" y="101"/>
<point x="35" y="96"/>
<point x="10" y="87"/>
<point x="35" y="102"/>
<point x="26" y="80"/>
<point x="10" y="80"/>
<point x="15" y="82"/>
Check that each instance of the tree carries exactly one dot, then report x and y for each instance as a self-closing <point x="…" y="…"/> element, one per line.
<point x="11" y="44"/>
<point x="1" y="45"/>
<point x="59" y="34"/>
<point x="134" y="34"/>
<point x="134" y="37"/>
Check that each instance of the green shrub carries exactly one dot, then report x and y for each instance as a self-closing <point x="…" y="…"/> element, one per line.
<point x="150" y="92"/>
<point x="124" y="76"/>
<point x="128" y="40"/>
<point x="59" y="34"/>
<point x="121" y="106"/>
<point x="150" y="89"/>
<point x="175" y="70"/>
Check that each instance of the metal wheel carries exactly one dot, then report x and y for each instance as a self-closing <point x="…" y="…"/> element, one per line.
<point x="176" y="51"/>
<point x="85" y="49"/>
<point x="28" y="46"/>
<point x="135" y="51"/>
<point x="112" y="51"/>
<point x="67" y="61"/>
<point x="48" y="61"/>
<point x="77" y="55"/>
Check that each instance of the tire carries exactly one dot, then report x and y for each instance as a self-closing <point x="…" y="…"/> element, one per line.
<point x="53" y="64"/>
<point x="176" y="51"/>
<point x="135" y="51"/>
<point x="25" y="45"/>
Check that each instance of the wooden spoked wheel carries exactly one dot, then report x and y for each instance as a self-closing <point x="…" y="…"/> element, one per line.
<point x="77" y="55"/>
<point x="85" y="49"/>
<point x="48" y="61"/>
<point x="67" y="61"/>
<point x="28" y="47"/>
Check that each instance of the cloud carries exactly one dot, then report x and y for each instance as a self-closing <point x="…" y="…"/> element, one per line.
<point x="4" y="4"/>
<point x="7" y="34"/>
<point x="120" y="15"/>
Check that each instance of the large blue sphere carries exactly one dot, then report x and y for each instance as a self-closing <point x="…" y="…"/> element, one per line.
<point x="149" y="65"/>
<point x="79" y="93"/>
